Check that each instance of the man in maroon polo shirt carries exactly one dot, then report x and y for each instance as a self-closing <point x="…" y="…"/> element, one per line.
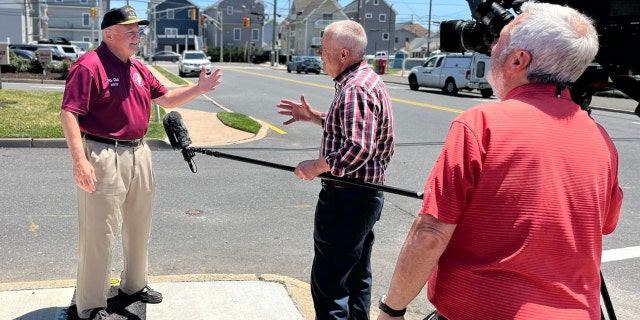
<point x="105" y="114"/>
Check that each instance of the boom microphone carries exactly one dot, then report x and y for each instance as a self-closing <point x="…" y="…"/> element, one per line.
<point x="179" y="137"/>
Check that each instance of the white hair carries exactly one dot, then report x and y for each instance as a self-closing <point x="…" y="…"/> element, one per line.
<point x="349" y="35"/>
<point x="562" y="42"/>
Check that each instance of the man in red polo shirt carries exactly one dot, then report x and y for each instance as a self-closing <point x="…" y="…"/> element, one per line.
<point x="516" y="205"/>
<point x="105" y="114"/>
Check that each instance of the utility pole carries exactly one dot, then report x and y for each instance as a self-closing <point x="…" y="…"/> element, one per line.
<point x="273" y="40"/>
<point x="221" y="35"/>
<point x="429" y="31"/>
<point x="394" y="26"/>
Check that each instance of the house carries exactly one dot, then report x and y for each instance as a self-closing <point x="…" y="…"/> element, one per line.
<point x="33" y="20"/>
<point x="378" y="19"/>
<point x="174" y="26"/>
<point x="424" y="47"/>
<point x="74" y="20"/>
<point x="406" y="32"/>
<point x="14" y="24"/>
<point x="303" y="28"/>
<point x="235" y="23"/>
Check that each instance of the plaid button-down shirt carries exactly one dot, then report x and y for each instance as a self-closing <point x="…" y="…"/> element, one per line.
<point x="358" y="139"/>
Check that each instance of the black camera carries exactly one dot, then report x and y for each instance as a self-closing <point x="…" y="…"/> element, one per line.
<point x="617" y="22"/>
<point x="475" y="35"/>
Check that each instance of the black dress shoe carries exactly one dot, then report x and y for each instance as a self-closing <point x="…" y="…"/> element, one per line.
<point x="101" y="314"/>
<point x="146" y="295"/>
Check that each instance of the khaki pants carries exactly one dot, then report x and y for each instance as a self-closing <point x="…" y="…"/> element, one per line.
<point x="123" y="198"/>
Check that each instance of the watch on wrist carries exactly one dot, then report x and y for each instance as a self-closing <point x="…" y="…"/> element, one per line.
<point x="388" y="310"/>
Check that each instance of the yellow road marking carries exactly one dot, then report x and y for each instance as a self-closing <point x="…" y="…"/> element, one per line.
<point x="409" y="102"/>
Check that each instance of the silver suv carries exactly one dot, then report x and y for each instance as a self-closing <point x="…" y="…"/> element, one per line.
<point x="305" y="64"/>
<point x="192" y="61"/>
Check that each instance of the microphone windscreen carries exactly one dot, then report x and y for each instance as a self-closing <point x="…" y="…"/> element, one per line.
<point x="176" y="130"/>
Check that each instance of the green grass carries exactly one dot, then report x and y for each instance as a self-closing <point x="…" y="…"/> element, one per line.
<point x="30" y="114"/>
<point x="239" y="121"/>
<point x="36" y="114"/>
<point x="172" y="77"/>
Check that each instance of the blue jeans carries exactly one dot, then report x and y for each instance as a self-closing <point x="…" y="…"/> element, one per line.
<point x="343" y="238"/>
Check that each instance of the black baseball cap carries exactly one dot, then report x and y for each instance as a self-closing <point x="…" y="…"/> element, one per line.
<point x="124" y="15"/>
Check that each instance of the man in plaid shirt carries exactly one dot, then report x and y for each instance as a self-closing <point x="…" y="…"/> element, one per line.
<point x="357" y="143"/>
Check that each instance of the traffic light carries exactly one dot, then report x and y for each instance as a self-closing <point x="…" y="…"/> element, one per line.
<point x="246" y="22"/>
<point x="193" y="14"/>
<point x="202" y="20"/>
<point x="94" y="12"/>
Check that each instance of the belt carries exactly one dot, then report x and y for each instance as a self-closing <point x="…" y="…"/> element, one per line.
<point x="336" y="184"/>
<point x="124" y="143"/>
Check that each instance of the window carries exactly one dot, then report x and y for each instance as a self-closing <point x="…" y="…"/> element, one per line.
<point x="229" y="10"/>
<point x="385" y="36"/>
<point x="190" y="32"/>
<point x="237" y="34"/>
<point x="255" y="34"/>
<point x="86" y="20"/>
<point x="382" y="17"/>
<point x="84" y="1"/>
<point x="171" y="32"/>
<point x="368" y="15"/>
<point x="327" y="16"/>
<point x="376" y="2"/>
<point x="86" y="39"/>
<point x="171" y="14"/>
<point x="480" y="70"/>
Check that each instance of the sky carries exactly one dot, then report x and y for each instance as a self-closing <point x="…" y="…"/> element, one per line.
<point x="416" y="11"/>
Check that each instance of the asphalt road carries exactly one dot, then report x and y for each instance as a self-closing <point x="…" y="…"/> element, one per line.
<point x="234" y="217"/>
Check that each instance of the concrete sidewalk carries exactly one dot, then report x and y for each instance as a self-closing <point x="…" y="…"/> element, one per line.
<point x="189" y="297"/>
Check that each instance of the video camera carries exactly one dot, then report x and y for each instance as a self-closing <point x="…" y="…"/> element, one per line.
<point x="617" y="22"/>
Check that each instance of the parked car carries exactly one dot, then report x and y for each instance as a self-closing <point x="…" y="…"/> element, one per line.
<point x="71" y="51"/>
<point x="57" y="57"/>
<point x="24" y="54"/>
<point x="265" y="56"/>
<point x="192" y="62"/>
<point x="304" y="64"/>
<point x="166" y="56"/>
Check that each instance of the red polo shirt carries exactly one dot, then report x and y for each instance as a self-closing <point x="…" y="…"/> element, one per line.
<point x="111" y="98"/>
<point x="532" y="184"/>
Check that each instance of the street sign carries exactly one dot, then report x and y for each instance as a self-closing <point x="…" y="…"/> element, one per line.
<point x="45" y="55"/>
<point x="4" y="54"/>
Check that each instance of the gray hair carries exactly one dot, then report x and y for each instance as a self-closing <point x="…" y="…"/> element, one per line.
<point x="349" y="35"/>
<point x="562" y="42"/>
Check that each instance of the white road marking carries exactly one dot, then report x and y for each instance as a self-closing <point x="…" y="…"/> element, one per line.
<point x="620" y="254"/>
